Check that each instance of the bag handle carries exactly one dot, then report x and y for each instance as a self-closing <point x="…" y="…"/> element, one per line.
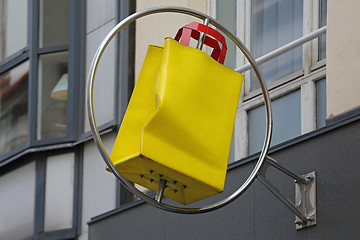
<point x="193" y="30"/>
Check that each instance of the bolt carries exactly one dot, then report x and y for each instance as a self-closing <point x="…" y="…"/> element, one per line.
<point x="309" y="178"/>
<point x="310" y="219"/>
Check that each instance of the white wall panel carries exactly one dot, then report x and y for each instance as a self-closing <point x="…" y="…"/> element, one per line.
<point x="59" y="192"/>
<point x="17" y="201"/>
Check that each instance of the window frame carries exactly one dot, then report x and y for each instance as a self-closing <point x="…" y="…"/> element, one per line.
<point x="39" y="193"/>
<point x="303" y="80"/>
<point x="31" y="53"/>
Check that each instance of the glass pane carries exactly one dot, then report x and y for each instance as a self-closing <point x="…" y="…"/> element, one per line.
<point x="52" y="95"/>
<point x="321" y="103"/>
<point x="14" y="107"/>
<point x="322" y="22"/>
<point x="54" y="22"/>
<point x="274" y="24"/>
<point x="13" y="26"/>
<point x="226" y="14"/>
<point x="59" y="192"/>
<point x="287" y="121"/>
<point x="17" y="201"/>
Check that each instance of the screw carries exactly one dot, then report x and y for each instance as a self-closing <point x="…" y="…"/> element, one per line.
<point x="309" y="178"/>
<point x="299" y="222"/>
<point x="310" y="219"/>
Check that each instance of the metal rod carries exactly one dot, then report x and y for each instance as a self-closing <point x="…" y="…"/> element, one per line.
<point x="283" y="49"/>
<point x="200" y="43"/>
<point x="282" y="198"/>
<point x="160" y="191"/>
<point x="298" y="178"/>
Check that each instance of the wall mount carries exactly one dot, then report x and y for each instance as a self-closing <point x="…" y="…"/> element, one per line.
<point x="304" y="207"/>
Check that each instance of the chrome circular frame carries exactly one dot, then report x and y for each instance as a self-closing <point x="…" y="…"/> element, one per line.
<point x="96" y="134"/>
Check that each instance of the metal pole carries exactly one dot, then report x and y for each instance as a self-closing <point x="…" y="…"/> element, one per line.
<point x="298" y="178"/>
<point x="160" y="191"/>
<point x="283" y="199"/>
<point x="283" y="49"/>
<point x="200" y="43"/>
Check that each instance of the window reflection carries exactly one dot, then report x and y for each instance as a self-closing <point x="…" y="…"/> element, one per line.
<point x="322" y="22"/>
<point x="52" y="96"/>
<point x="13" y="15"/>
<point x="17" y="201"/>
<point x="286" y="113"/>
<point x="274" y="24"/>
<point x="54" y="22"/>
<point x="14" y="108"/>
<point x="321" y="103"/>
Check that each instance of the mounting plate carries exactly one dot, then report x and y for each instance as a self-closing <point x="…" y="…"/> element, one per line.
<point x="305" y="201"/>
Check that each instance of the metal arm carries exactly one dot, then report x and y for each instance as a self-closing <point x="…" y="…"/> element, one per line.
<point x="200" y="43"/>
<point x="305" y="193"/>
<point x="283" y="49"/>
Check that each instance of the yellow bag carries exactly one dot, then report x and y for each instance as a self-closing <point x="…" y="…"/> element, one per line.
<point x="179" y="122"/>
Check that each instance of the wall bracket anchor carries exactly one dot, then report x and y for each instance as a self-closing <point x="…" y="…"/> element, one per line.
<point x="305" y="193"/>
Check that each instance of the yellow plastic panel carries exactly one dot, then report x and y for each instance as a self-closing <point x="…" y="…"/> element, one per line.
<point x="142" y="106"/>
<point x="183" y="132"/>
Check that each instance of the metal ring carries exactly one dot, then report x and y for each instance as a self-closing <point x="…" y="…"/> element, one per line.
<point x="96" y="134"/>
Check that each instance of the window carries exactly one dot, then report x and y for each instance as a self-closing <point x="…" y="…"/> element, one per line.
<point x="296" y="79"/>
<point x="39" y="201"/>
<point x="14" y="107"/>
<point x="53" y="78"/>
<point x="52" y="95"/>
<point x="13" y="15"/>
<point x="17" y="196"/>
<point x="287" y="121"/>
<point x="59" y="191"/>
<point x="274" y="24"/>
<point x="320" y="103"/>
<point x="53" y="23"/>
<point x="322" y="22"/>
<point x="39" y="73"/>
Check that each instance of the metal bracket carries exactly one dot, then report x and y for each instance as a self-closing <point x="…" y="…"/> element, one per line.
<point x="305" y="201"/>
<point x="305" y="193"/>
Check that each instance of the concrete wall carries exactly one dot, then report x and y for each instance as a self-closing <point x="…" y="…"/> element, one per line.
<point x="343" y="56"/>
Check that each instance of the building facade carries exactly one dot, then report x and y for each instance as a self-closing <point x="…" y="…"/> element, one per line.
<point x="53" y="182"/>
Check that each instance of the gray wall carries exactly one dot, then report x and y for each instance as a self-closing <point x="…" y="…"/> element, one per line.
<point x="257" y="214"/>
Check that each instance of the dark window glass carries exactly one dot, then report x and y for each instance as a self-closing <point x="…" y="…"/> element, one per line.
<point x="14" y="107"/>
<point x="274" y="24"/>
<point x="13" y="26"/>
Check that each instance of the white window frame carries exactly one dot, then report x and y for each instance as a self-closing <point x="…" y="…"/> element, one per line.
<point x="305" y="79"/>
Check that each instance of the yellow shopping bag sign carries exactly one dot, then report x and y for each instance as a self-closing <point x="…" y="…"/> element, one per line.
<point x="179" y="122"/>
